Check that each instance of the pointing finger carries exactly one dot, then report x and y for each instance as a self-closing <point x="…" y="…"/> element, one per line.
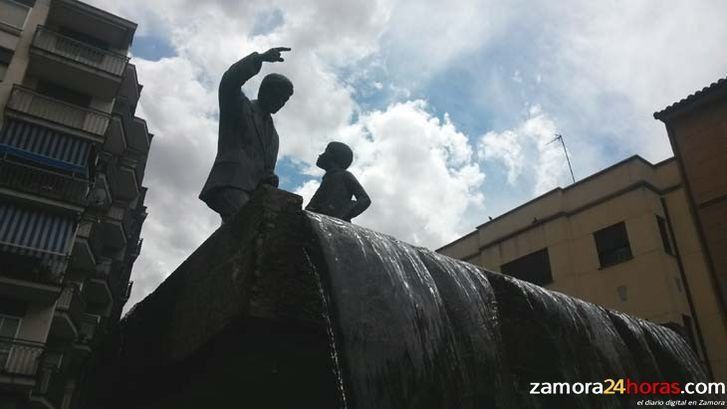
<point x="278" y="49"/>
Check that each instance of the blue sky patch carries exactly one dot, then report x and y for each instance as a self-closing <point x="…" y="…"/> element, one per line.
<point x="152" y="48"/>
<point x="290" y="174"/>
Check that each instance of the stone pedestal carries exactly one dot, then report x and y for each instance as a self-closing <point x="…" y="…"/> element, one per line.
<point x="239" y="322"/>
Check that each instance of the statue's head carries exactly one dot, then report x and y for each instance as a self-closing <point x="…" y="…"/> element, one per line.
<point x="275" y="90"/>
<point x="337" y="154"/>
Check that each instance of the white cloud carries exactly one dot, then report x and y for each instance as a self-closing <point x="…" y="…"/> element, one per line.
<point x="528" y="149"/>
<point x="418" y="170"/>
<point x="593" y="66"/>
<point x="506" y="148"/>
<point x="616" y="63"/>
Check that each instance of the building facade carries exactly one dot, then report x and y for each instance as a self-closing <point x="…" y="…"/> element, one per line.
<point x="626" y="238"/>
<point x="72" y="160"/>
<point x="697" y="129"/>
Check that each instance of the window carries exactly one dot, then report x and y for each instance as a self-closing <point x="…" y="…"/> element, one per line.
<point x="534" y="268"/>
<point x="13" y="14"/>
<point x="612" y="244"/>
<point x="664" y="232"/>
<point x="8" y="330"/>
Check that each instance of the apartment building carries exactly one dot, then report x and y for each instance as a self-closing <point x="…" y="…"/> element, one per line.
<point x="72" y="160"/>
<point x="627" y="237"/>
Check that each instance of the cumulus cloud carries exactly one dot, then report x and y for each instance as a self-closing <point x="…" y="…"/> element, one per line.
<point x="418" y="169"/>
<point x="529" y="148"/>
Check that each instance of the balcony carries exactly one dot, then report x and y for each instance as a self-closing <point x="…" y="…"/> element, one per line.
<point x="42" y="182"/>
<point x="112" y="228"/>
<point x="131" y="226"/>
<point x="107" y="28"/>
<point x="119" y="282"/>
<point x="83" y="257"/>
<point x="139" y="138"/>
<point x="33" y="251"/>
<point x="130" y="88"/>
<point x="67" y="316"/>
<point x="87" y="332"/>
<point x="76" y="64"/>
<point x="19" y="358"/>
<point x="29" y="277"/>
<point x="97" y="289"/>
<point x="100" y="195"/>
<point x="116" y="136"/>
<point x="137" y="132"/>
<point x="49" y="112"/>
<point x="140" y="171"/>
<point x="122" y="181"/>
<point x="50" y="387"/>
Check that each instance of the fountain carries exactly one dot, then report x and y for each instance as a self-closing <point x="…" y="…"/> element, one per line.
<point x="285" y="308"/>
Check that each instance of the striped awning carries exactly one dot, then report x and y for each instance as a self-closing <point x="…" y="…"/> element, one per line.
<point x="46" y="146"/>
<point x="35" y="233"/>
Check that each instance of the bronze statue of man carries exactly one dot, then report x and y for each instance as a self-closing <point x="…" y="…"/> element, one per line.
<point x="247" y="145"/>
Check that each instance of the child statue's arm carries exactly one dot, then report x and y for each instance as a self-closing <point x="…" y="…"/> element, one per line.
<point x="362" y="201"/>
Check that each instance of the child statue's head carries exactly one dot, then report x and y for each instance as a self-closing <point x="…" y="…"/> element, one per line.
<point x="337" y="155"/>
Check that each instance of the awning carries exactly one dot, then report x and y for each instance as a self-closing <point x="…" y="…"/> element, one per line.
<point x="31" y="232"/>
<point x="45" y="146"/>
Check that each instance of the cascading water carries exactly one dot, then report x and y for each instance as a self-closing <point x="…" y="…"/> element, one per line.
<point x="416" y="329"/>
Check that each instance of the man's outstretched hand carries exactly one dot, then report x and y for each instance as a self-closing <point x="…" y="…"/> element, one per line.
<point x="273" y="54"/>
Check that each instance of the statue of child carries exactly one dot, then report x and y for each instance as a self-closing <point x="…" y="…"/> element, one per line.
<point x="333" y="197"/>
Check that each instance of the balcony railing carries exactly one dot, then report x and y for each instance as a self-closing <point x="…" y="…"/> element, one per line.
<point x="80" y="52"/>
<point x="88" y="327"/>
<point x="51" y="381"/>
<point x="19" y="357"/>
<point x="116" y="213"/>
<point x="64" y="301"/>
<point x="71" y="302"/>
<point x="122" y="186"/>
<point x="43" y="182"/>
<point x="103" y="268"/>
<point x="29" y="102"/>
<point x="43" y="266"/>
<point x="85" y="227"/>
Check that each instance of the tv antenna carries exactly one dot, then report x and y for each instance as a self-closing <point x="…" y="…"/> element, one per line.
<point x="559" y="137"/>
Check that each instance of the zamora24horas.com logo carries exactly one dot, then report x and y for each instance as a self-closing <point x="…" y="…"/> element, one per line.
<point x="626" y="387"/>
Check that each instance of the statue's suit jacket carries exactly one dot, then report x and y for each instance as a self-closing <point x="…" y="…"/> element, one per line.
<point x="247" y="148"/>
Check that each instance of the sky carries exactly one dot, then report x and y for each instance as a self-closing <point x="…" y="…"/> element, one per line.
<point x="448" y="107"/>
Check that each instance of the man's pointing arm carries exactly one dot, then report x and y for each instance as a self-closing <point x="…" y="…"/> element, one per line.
<point x="246" y="68"/>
